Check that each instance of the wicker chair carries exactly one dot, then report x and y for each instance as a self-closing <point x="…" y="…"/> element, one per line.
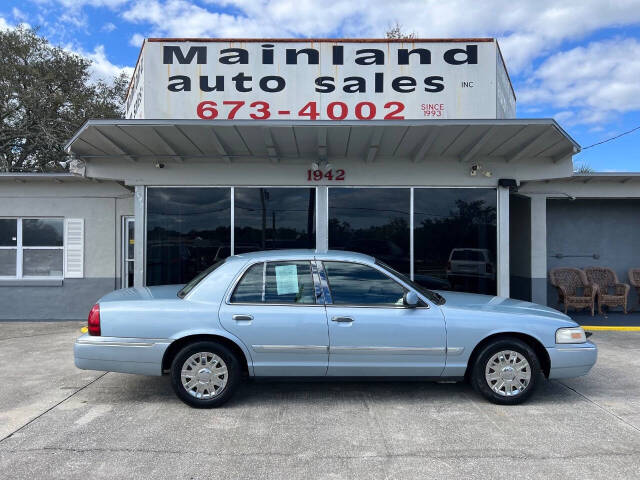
<point x="634" y="279"/>
<point x="611" y="292"/>
<point x="574" y="290"/>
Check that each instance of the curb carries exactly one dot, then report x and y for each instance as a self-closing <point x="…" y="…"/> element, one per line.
<point x="610" y="328"/>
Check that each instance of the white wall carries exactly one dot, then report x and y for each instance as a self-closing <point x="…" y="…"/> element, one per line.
<point x="441" y="171"/>
<point x="101" y="205"/>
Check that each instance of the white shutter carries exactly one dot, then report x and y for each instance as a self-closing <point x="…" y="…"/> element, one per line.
<point x="74" y="248"/>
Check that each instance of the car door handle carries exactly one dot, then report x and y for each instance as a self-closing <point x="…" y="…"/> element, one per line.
<point x="243" y="318"/>
<point x="342" y="319"/>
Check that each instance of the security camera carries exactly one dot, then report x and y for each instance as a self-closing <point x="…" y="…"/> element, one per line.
<point x="159" y="165"/>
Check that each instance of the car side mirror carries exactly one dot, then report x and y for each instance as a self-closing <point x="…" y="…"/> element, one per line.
<point x="410" y="299"/>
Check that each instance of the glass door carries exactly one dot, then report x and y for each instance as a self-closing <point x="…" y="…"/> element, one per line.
<point x="128" y="248"/>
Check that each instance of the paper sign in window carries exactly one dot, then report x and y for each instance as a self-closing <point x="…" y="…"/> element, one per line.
<point x="287" y="279"/>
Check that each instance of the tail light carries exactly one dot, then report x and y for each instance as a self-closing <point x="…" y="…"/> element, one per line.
<point x="489" y="268"/>
<point x="93" y="323"/>
<point x="448" y="265"/>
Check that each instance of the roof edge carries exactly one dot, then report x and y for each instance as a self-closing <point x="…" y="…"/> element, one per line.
<point x="322" y="40"/>
<point x="37" y="175"/>
<point x="322" y="123"/>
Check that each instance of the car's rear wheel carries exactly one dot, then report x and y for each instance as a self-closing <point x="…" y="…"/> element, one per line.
<point x="506" y="371"/>
<point x="205" y="374"/>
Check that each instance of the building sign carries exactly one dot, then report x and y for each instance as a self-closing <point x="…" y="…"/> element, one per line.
<point x="320" y="80"/>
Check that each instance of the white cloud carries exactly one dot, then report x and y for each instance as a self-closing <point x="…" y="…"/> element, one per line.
<point x="588" y="84"/>
<point x="108" y="27"/>
<point x="18" y="14"/>
<point x="3" y="24"/>
<point x="136" y="40"/>
<point x="526" y="30"/>
<point x="101" y="67"/>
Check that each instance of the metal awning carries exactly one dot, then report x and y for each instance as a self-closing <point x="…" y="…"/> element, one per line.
<point x="593" y="177"/>
<point x="508" y="140"/>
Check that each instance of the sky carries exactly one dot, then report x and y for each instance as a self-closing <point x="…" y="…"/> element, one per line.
<point x="577" y="61"/>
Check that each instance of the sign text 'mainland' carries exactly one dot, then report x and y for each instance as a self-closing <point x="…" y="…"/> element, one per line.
<point x="320" y="80"/>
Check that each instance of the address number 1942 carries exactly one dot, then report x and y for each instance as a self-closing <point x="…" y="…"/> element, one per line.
<point x="331" y="175"/>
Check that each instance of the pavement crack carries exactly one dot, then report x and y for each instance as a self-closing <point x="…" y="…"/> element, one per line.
<point x="429" y="454"/>
<point x="52" y="407"/>
<point x="372" y="414"/>
<point x="31" y="336"/>
<point x="599" y="406"/>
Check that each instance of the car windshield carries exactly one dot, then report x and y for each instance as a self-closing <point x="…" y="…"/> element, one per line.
<point x="197" y="279"/>
<point x="430" y="294"/>
<point x="468" y="255"/>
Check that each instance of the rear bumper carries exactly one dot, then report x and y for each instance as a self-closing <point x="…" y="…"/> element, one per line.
<point x="124" y="355"/>
<point x="572" y="360"/>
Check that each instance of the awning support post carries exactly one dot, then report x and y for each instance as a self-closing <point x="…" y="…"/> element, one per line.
<point x="503" y="277"/>
<point x="539" y="249"/>
<point x="139" y="201"/>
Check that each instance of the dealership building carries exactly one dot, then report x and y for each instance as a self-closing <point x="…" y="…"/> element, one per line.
<point x="408" y="151"/>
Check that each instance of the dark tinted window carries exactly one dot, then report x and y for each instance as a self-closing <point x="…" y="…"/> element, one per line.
<point x="274" y="218"/>
<point x="468" y="255"/>
<point x="42" y="232"/>
<point x="454" y="218"/>
<point x="8" y="232"/>
<point x="354" y="284"/>
<point x="374" y="221"/>
<point x="286" y="282"/>
<point x="249" y="288"/>
<point x="188" y="229"/>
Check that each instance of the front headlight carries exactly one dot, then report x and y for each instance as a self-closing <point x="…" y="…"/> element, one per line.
<point x="571" y="335"/>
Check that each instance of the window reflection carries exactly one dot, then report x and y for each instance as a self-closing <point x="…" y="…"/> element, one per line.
<point x="276" y="283"/>
<point x="274" y="218"/>
<point x="42" y="232"/>
<point x="8" y="232"/>
<point x="374" y="221"/>
<point x="354" y="284"/>
<point x="455" y="238"/>
<point x="188" y="229"/>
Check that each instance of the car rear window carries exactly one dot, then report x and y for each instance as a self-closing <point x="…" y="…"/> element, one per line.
<point x="468" y="255"/>
<point x="198" y="278"/>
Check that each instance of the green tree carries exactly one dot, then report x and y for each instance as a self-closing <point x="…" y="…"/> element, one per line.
<point x="46" y="94"/>
<point x="395" y="32"/>
<point x="582" y="168"/>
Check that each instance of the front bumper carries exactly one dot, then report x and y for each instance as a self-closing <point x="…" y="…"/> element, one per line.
<point x="572" y="360"/>
<point x="124" y="355"/>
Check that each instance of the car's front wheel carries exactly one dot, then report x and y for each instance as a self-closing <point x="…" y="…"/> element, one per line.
<point x="205" y="374"/>
<point x="506" y="371"/>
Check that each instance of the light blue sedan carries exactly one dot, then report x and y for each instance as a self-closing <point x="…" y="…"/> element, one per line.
<point x="299" y="313"/>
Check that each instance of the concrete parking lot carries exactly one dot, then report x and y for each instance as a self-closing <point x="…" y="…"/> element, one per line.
<point x="60" y="422"/>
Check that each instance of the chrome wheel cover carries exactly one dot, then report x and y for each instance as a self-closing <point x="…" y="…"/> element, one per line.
<point x="204" y="375"/>
<point x="508" y="373"/>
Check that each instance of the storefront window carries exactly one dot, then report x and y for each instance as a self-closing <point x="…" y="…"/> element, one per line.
<point x="455" y="239"/>
<point x="31" y="247"/>
<point x="274" y="218"/>
<point x="374" y="221"/>
<point x="188" y="229"/>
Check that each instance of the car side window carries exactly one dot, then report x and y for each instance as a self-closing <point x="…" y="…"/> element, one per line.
<point x="249" y="288"/>
<point x="356" y="284"/>
<point x="276" y="283"/>
<point x="289" y="282"/>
